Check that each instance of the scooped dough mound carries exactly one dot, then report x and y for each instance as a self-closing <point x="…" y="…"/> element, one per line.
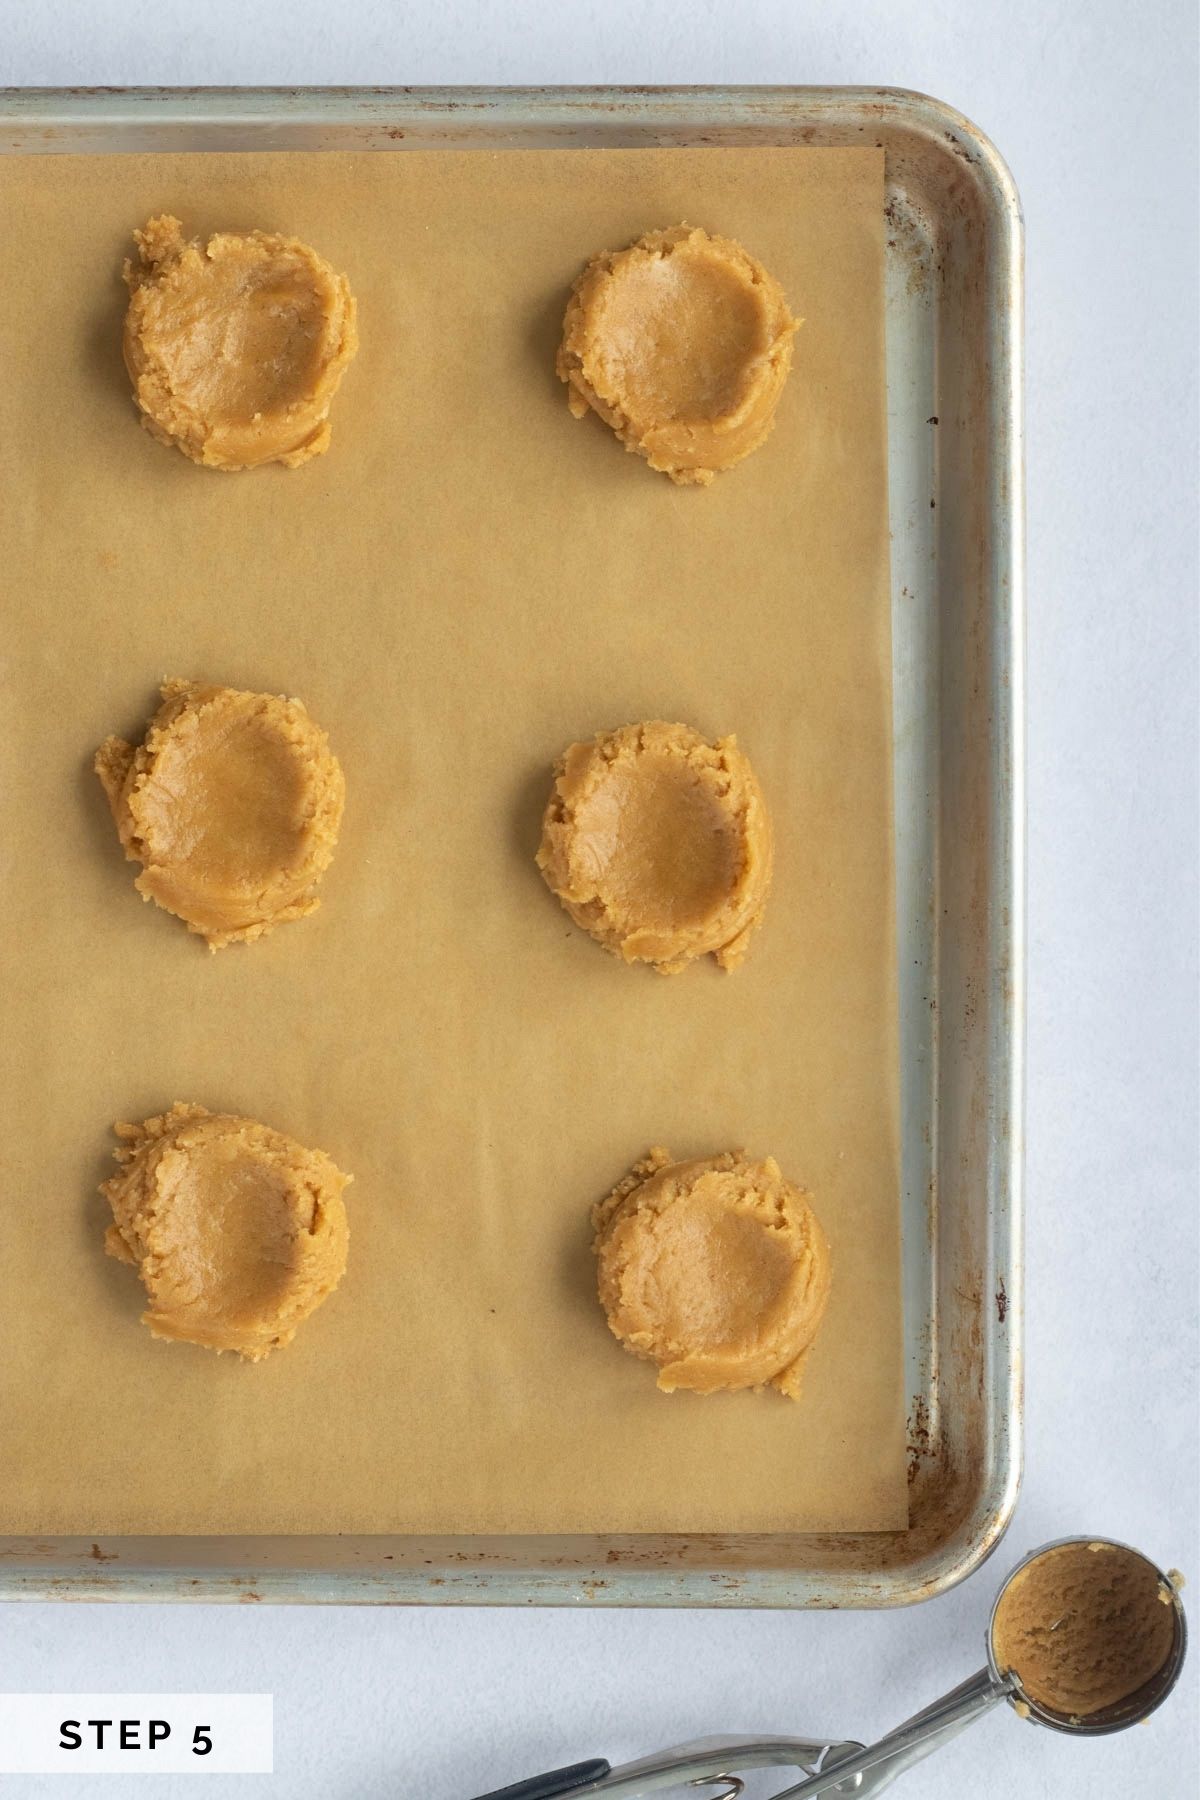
<point x="715" y="1269"/>
<point x="236" y="347"/>
<point x="231" y="803"/>
<point x="659" y="844"/>
<point x="682" y="343"/>
<point x="237" y="1232"/>
<point x="1083" y="1627"/>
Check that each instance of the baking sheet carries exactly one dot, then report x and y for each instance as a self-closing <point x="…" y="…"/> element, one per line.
<point x="466" y="582"/>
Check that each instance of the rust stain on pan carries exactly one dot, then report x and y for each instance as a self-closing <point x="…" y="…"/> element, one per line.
<point x="920" y="1440"/>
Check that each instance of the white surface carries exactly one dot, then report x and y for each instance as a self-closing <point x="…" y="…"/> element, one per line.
<point x="1093" y="104"/>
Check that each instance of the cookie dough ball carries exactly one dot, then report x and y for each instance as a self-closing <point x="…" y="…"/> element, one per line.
<point x="237" y="1232"/>
<point x="715" y="1269"/>
<point x="1084" y="1626"/>
<point x="682" y="343"/>
<point x="236" y="347"/>
<point x="659" y="844"/>
<point x="231" y="803"/>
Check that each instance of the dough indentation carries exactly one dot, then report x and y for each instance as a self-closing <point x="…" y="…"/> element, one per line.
<point x="681" y="343"/>
<point x="658" y="843"/>
<point x="232" y="803"/>
<point x="236" y="347"/>
<point x="716" y="1270"/>
<point x="238" y="1233"/>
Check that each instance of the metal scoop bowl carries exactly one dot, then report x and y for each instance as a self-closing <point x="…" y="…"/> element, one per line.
<point x="1135" y="1707"/>
<point x="712" y="1765"/>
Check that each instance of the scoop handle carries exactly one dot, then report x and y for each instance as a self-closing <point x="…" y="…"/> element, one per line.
<point x="553" y="1782"/>
<point x="867" y="1771"/>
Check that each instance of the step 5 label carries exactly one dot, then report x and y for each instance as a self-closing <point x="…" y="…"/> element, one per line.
<point x="132" y="1734"/>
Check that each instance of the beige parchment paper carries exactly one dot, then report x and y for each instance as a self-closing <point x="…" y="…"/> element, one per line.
<point x="469" y="580"/>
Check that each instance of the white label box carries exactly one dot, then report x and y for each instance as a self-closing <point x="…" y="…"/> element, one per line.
<point x="136" y="1734"/>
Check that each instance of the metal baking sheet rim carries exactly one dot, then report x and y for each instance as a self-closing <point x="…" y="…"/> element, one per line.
<point x="958" y="246"/>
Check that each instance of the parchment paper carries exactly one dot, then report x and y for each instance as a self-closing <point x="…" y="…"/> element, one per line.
<point x="466" y="582"/>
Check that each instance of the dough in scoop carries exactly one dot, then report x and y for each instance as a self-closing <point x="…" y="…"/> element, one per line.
<point x="715" y="1269"/>
<point x="237" y="1232"/>
<point x="1084" y="1627"/>
<point x="682" y="343"/>
<point x="236" y="347"/>
<point x="659" y="844"/>
<point x="232" y="805"/>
